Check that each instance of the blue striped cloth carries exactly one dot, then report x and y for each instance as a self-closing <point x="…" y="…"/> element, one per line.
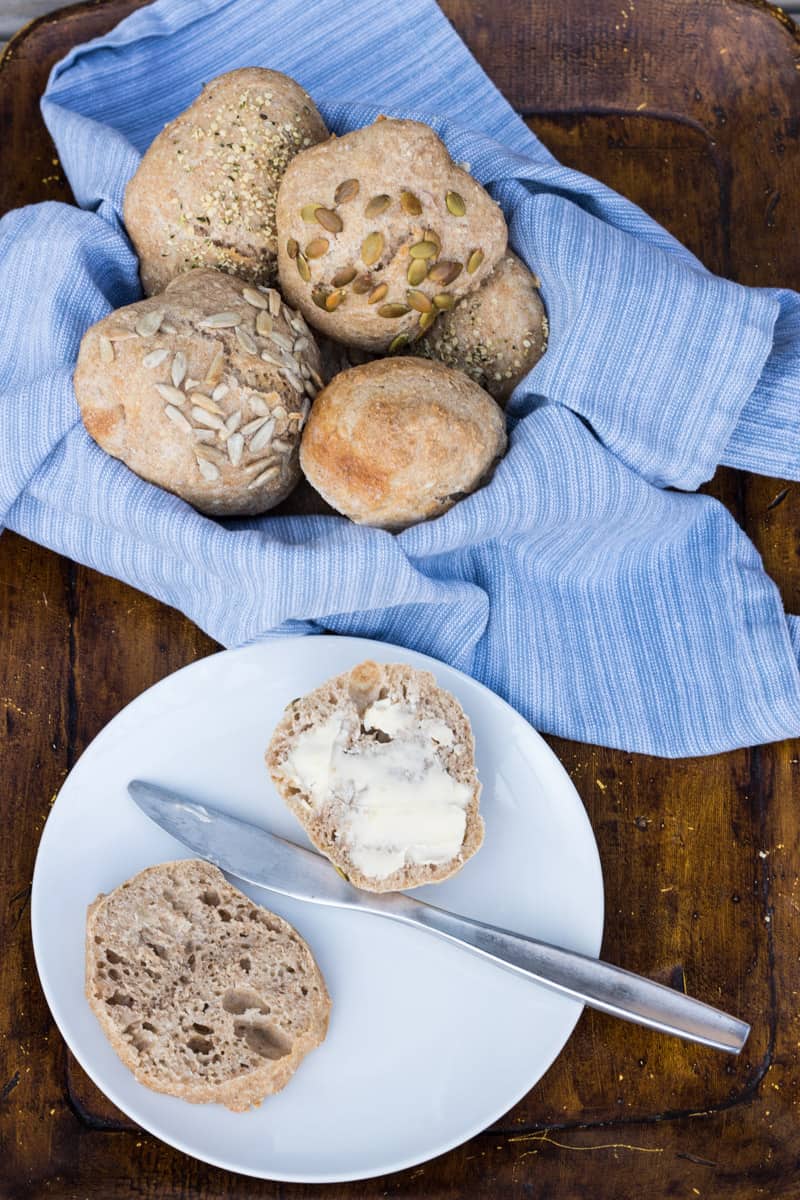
<point x="602" y="605"/>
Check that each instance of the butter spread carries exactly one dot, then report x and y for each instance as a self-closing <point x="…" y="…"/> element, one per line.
<point x="400" y="805"/>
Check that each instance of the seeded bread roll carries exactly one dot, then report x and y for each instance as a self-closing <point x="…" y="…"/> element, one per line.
<point x="378" y="766"/>
<point x="203" y="390"/>
<point x="202" y="994"/>
<point x="378" y="230"/>
<point x="495" y="335"/>
<point x="400" y="440"/>
<point x="204" y="193"/>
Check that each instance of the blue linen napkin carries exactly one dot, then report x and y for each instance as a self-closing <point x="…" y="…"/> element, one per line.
<point x="604" y="607"/>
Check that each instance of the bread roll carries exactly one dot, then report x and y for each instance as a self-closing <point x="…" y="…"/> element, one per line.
<point x="378" y="229"/>
<point x="202" y="994"/>
<point x="204" y="192"/>
<point x="495" y="335"/>
<point x="202" y="390"/>
<point x="399" y="440"/>
<point x="378" y="766"/>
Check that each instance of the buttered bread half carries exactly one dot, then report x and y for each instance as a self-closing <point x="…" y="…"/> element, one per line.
<point x="378" y="766"/>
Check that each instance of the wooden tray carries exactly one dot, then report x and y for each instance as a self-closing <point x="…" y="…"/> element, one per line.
<point x="691" y="109"/>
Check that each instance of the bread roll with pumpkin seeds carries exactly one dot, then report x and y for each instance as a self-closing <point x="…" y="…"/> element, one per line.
<point x="495" y="335"/>
<point x="399" y="440"/>
<point x="378" y="230"/>
<point x="204" y="193"/>
<point x="203" y="390"/>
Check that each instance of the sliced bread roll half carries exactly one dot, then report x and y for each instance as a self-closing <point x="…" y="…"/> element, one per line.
<point x="378" y="766"/>
<point x="202" y="993"/>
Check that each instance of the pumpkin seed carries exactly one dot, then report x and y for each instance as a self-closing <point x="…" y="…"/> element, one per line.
<point x="426" y="320"/>
<point x="474" y="261"/>
<point x="344" y="276"/>
<point x="346" y="191"/>
<point x="329" y="220"/>
<point x="309" y="212"/>
<point x="372" y="248"/>
<point x="445" y="271"/>
<point x="398" y="343"/>
<point x="319" y="296"/>
<point x="423" y="250"/>
<point x="334" y="300"/>
<point x="419" y="301"/>
<point x="393" y="310"/>
<point x="377" y="205"/>
<point x="410" y="204"/>
<point x="378" y="293"/>
<point x="417" y="270"/>
<point x="362" y="284"/>
<point x="455" y="204"/>
<point x="303" y="269"/>
<point x="430" y="235"/>
<point x="317" y="247"/>
<point x="444" y="300"/>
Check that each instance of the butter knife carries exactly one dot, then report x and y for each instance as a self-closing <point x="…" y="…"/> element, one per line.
<point x="271" y="862"/>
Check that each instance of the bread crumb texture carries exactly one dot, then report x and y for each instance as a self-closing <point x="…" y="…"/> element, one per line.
<point x="378" y="766"/>
<point x="203" y="994"/>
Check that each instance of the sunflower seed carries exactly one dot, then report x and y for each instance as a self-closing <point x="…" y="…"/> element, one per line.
<point x="107" y="351"/>
<point x="265" y="477"/>
<point x="292" y="378"/>
<point x="279" y="412"/>
<point x="220" y="391"/>
<point x="292" y="247"/>
<point x="377" y="205"/>
<point x="419" y="301"/>
<point x="444" y="300"/>
<point x="176" y="416"/>
<point x="295" y="416"/>
<point x="455" y="204"/>
<point x="220" y="320"/>
<point x="233" y="422"/>
<point x="302" y="344"/>
<point x="191" y="385"/>
<point x="298" y="324"/>
<point x="214" y="372"/>
<point x="245" y="340"/>
<point x="207" y="404"/>
<point x="254" y="297"/>
<point x="172" y="395"/>
<point x="178" y="369"/>
<point x="316" y="377"/>
<point x="168" y="327"/>
<point x="310" y="390"/>
<point x="334" y="300"/>
<point x="393" y="310"/>
<point x="303" y="268"/>
<point x="235" y="447"/>
<point x="149" y="323"/>
<point x="254" y="426"/>
<point x="474" y="261"/>
<point x="426" y="320"/>
<point x="362" y="284"/>
<point x="263" y="324"/>
<point x="445" y="271"/>
<point x="212" y="454"/>
<point x="410" y="204"/>
<point x="280" y="339"/>
<point x="309" y="212"/>
<point x="121" y="335"/>
<point x="271" y="359"/>
<point x="274" y="302"/>
<point x="330" y="220"/>
<point x="281" y="446"/>
<point x="210" y="420"/>
<point x="377" y="293"/>
<point x="398" y="342"/>
<point x="417" y="270"/>
<point x="204" y="435"/>
<point x="346" y="191"/>
<point x="423" y="250"/>
<point x="208" y="470"/>
<point x="372" y="248"/>
<point x="262" y="437"/>
<point x="258" y="405"/>
<point x="317" y="247"/>
<point x="344" y="276"/>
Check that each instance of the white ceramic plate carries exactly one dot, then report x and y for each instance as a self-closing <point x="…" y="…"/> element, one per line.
<point x="427" y="1044"/>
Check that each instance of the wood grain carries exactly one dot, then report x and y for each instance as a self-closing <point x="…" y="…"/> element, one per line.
<point x="690" y="109"/>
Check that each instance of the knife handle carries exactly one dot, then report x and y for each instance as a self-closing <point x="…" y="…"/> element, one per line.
<point x="598" y="984"/>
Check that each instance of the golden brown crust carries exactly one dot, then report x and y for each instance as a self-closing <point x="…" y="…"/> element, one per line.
<point x="495" y="335"/>
<point x="399" y="440"/>
<point x="377" y="204"/>
<point x="200" y="437"/>
<point x="204" y="193"/>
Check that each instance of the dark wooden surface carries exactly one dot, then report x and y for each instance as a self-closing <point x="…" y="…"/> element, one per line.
<point x="692" y="110"/>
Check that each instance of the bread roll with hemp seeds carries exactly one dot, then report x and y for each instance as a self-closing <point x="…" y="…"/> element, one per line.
<point x="400" y="440"/>
<point x="204" y="193"/>
<point x="495" y="335"/>
<point x="379" y="230"/>
<point x="203" y="994"/>
<point x="378" y="766"/>
<point x="203" y="390"/>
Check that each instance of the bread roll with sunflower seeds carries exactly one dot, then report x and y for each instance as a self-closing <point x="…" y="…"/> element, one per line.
<point x="400" y="440"/>
<point x="204" y="193"/>
<point x="379" y="230"/>
<point x="495" y="335"/>
<point x="203" y="390"/>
